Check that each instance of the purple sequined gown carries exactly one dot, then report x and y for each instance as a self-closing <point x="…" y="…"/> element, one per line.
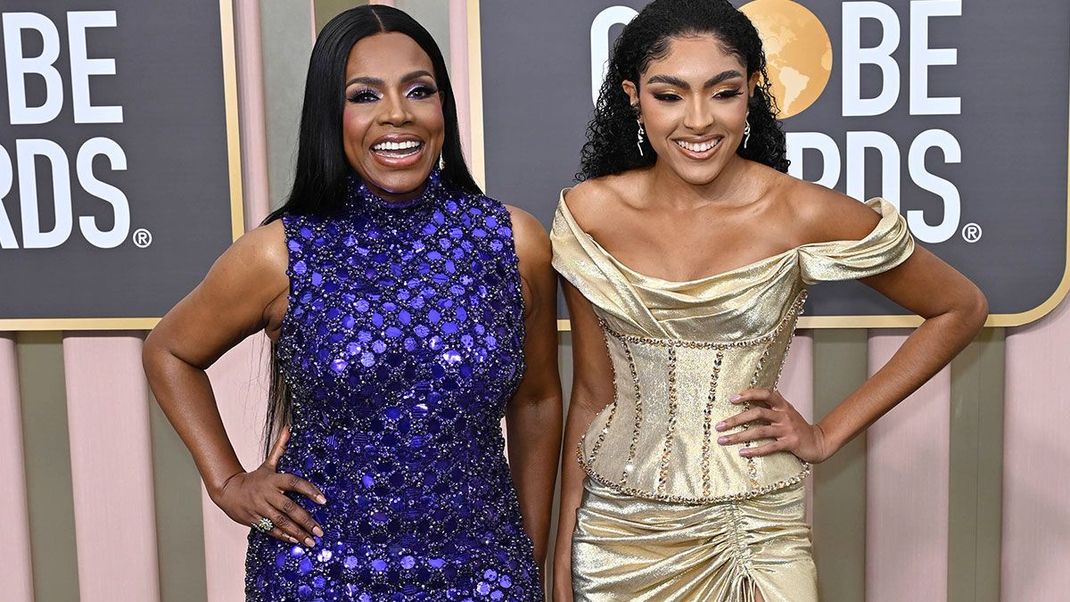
<point x="401" y="346"/>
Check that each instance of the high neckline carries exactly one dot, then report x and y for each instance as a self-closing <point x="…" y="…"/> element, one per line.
<point x="360" y="195"/>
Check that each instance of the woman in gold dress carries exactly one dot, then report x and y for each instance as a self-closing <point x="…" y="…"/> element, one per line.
<point x="686" y="253"/>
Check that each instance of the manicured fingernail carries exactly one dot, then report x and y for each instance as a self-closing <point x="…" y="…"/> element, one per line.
<point x="317" y="531"/>
<point x="722" y="440"/>
<point x="744" y="452"/>
<point x="321" y="500"/>
<point x="310" y="542"/>
<point x="736" y="398"/>
<point x="291" y="538"/>
<point x="720" y="426"/>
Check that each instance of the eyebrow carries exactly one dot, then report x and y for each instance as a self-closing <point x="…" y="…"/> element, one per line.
<point x="375" y="81"/>
<point x="679" y="83"/>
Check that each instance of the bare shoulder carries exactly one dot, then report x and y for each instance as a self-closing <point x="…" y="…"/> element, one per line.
<point x="589" y="199"/>
<point x="258" y="259"/>
<point x="588" y="194"/>
<point x="264" y="246"/>
<point x="534" y="256"/>
<point x="824" y="214"/>
<point x="529" y="236"/>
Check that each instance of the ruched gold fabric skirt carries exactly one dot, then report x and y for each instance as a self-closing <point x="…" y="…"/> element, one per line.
<point x="631" y="549"/>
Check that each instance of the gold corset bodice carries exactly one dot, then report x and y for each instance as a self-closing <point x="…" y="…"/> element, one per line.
<point x="680" y="350"/>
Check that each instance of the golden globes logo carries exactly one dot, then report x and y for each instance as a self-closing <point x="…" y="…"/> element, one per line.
<point x="799" y="53"/>
<point x="32" y="153"/>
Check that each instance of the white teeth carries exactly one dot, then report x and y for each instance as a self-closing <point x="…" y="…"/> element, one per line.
<point x="698" y="147"/>
<point x="396" y="146"/>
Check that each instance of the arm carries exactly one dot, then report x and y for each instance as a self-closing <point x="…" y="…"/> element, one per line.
<point x="952" y="319"/>
<point x="592" y="389"/>
<point x="533" y="416"/>
<point x="244" y="292"/>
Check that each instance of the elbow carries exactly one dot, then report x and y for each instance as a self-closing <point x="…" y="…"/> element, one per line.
<point x="151" y="356"/>
<point x="536" y="403"/>
<point x="155" y="355"/>
<point x="149" y="352"/>
<point x="590" y="397"/>
<point x="975" y="310"/>
<point x="978" y="308"/>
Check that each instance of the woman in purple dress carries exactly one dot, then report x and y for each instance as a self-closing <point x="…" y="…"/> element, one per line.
<point x="409" y="314"/>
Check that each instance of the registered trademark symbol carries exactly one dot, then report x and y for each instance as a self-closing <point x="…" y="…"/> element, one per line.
<point x="142" y="238"/>
<point x="971" y="232"/>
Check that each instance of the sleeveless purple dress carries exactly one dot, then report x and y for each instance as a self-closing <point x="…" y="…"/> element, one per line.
<point x="401" y="346"/>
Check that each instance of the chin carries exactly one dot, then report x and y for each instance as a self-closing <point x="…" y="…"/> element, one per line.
<point x="399" y="182"/>
<point x="700" y="175"/>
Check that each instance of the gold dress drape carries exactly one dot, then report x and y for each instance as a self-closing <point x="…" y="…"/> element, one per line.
<point x="668" y="514"/>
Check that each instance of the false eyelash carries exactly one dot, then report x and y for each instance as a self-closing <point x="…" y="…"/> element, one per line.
<point x="356" y="96"/>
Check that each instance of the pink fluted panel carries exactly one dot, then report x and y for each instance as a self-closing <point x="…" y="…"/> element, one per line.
<point x="111" y="468"/>
<point x="458" y="15"/>
<point x="907" y="473"/>
<point x="1036" y="452"/>
<point x="797" y="379"/>
<point x="15" y="571"/>
<point x="252" y="114"/>
<point x="797" y="386"/>
<point x="239" y="378"/>
<point x="383" y="2"/>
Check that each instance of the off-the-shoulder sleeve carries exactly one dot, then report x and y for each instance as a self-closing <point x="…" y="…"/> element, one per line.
<point x="578" y="260"/>
<point x="888" y="245"/>
<point x="587" y="266"/>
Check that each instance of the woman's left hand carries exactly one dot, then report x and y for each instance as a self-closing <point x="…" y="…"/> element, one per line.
<point x="772" y="417"/>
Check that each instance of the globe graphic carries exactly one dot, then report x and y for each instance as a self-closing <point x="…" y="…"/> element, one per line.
<point x="798" y="52"/>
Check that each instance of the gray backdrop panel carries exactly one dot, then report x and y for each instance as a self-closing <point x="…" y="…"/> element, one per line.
<point x="169" y="81"/>
<point x="1013" y="75"/>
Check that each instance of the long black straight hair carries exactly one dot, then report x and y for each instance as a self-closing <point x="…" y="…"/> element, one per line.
<point x="322" y="170"/>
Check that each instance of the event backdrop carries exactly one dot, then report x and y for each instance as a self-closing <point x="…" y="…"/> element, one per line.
<point x="951" y="496"/>
<point x="955" y="111"/>
<point x="119" y="174"/>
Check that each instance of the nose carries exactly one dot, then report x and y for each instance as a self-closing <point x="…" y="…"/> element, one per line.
<point x="394" y="110"/>
<point x="699" y="116"/>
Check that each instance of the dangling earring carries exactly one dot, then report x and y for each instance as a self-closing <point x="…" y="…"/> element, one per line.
<point x="639" y="137"/>
<point x="746" y="133"/>
<point x="441" y="163"/>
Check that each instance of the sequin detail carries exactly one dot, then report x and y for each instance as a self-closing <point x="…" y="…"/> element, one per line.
<point x="670" y="428"/>
<point x="678" y="433"/>
<point x="402" y="344"/>
<point x="679" y="499"/>
<point x="637" y="430"/>
<point x="707" y="422"/>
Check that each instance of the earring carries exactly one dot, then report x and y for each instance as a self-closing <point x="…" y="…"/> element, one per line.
<point x="746" y="133"/>
<point x="441" y="163"/>
<point x="639" y="137"/>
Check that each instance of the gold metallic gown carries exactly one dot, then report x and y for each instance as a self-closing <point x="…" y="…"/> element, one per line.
<point x="667" y="513"/>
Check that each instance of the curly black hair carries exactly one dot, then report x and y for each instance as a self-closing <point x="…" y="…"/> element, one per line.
<point x="611" y="134"/>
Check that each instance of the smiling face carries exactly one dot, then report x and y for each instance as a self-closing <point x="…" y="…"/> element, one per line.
<point x="392" y="124"/>
<point x="693" y="106"/>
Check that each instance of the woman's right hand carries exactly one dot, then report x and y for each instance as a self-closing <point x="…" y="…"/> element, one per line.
<point x="248" y="497"/>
